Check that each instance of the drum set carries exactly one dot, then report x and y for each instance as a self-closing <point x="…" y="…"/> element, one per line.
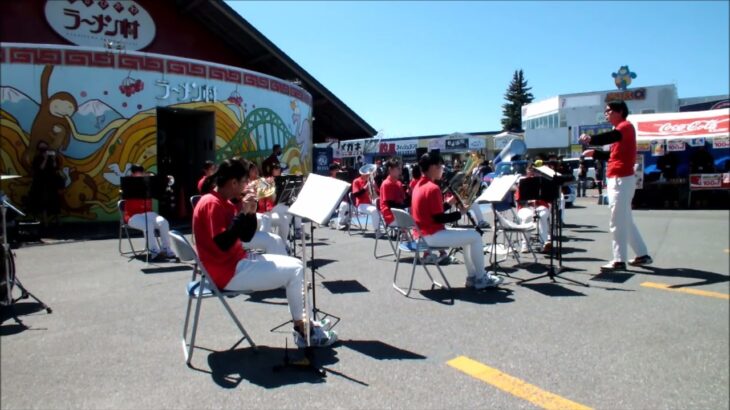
<point x="8" y="279"/>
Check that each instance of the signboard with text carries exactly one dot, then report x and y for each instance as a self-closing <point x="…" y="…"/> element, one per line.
<point x="121" y="25"/>
<point x="699" y="182"/>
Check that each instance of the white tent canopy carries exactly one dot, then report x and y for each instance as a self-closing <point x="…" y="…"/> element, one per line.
<point x="682" y="125"/>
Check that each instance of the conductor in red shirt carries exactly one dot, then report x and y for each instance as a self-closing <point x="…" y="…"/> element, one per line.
<point x="620" y="185"/>
<point x="428" y="210"/>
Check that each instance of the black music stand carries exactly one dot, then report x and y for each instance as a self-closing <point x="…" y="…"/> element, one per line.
<point x="11" y="279"/>
<point x="316" y="202"/>
<point x="548" y="186"/>
<point x="287" y="189"/>
<point x="494" y="195"/>
<point x="145" y="188"/>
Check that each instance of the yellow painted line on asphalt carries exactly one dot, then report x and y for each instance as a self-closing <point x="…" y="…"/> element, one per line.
<point x="664" y="286"/>
<point x="514" y="386"/>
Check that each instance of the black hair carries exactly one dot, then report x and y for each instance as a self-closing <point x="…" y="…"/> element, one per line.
<point x="392" y="163"/>
<point x="334" y="166"/>
<point x="619" y="106"/>
<point x="415" y="172"/>
<point x="208" y="165"/>
<point x="429" y="159"/>
<point x="136" y="168"/>
<point x="235" y="168"/>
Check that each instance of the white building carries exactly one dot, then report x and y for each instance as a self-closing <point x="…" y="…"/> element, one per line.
<point x="554" y="124"/>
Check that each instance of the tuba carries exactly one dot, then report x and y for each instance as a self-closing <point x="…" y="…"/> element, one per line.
<point x="369" y="170"/>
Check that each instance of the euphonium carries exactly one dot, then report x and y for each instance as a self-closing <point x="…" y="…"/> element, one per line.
<point x="369" y="170"/>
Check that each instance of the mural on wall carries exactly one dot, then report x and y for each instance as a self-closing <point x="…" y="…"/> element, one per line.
<point x="101" y="120"/>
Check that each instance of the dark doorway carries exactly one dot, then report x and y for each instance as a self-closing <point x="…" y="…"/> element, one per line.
<point x="185" y="140"/>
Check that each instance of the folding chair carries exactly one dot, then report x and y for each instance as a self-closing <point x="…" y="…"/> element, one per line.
<point x="512" y="233"/>
<point x="405" y="223"/>
<point x="389" y="231"/>
<point x="355" y="215"/>
<point x="125" y="227"/>
<point x="200" y="289"/>
<point x="193" y="201"/>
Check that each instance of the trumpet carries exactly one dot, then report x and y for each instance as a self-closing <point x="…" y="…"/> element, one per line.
<point x="369" y="170"/>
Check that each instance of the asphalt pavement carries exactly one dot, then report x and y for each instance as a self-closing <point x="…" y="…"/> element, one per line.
<point x="650" y="338"/>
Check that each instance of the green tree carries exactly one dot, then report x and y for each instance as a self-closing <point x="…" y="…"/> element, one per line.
<point x="517" y="95"/>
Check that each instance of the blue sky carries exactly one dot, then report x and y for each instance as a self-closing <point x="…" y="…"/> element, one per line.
<point x="421" y="68"/>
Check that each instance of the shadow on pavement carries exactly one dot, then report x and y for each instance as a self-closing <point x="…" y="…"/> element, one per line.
<point x="344" y="286"/>
<point x="552" y="289"/>
<point x="379" y="350"/>
<point x="229" y="368"/>
<point x="20" y="309"/>
<point x="705" y="277"/>
<point x="489" y="296"/>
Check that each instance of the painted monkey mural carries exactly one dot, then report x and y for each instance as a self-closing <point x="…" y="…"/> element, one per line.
<point x="95" y="159"/>
<point x="52" y="123"/>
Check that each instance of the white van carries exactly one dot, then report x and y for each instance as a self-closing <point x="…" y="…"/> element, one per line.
<point x="590" y="175"/>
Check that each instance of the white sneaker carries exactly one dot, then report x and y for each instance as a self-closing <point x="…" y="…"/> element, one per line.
<point x="318" y="337"/>
<point x="483" y="281"/>
<point x="430" y="259"/>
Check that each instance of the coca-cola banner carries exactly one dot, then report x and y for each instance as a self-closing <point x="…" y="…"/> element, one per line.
<point x="684" y="125"/>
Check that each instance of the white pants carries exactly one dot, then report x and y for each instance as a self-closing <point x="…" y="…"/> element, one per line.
<point x="268" y="272"/>
<point x="268" y="242"/>
<point x="469" y="239"/>
<point x="280" y="218"/>
<point x="476" y="211"/>
<point x="343" y="214"/>
<point x="154" y="221"/>
<point x="264" y="222"/>
<point x="373" y="212"/>
<point x="620" y="193"/>
<point x="526" y="215"/>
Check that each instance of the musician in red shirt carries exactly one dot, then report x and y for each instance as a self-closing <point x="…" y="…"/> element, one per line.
<point x="204" y="183"/>
<point x="219" y="230"/>
<point x="363" y="202"/>
<point x="526" y="211"/>
<point x="138" y="213"/>
<point x="392" y="194"/>
<point x="427" y="208"/>
<point x="620" y="184"/>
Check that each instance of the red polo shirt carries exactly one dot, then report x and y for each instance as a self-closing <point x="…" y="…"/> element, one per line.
<point x="623" y="153"/>
<point x="136" y="206"/>
<point x="357" y="185"/>
<point x="212" y="216"/>
<point x="391" y="190"/>
<point x="426" y="202"/>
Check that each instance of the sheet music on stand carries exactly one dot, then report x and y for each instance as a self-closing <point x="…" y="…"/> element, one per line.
<point x="498" y="189"/>
<point x="318" y="198"/>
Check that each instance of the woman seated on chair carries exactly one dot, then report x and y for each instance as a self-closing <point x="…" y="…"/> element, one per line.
<point x="263" y="239"/>
<point x="277" y="214"/>
<point x="527" y="212"/>
<point x="363" y="203"/>
<point x="138" y="212"/>
<point x="219" y="231"/>
<point x="428" y="210"/>
<point x="392" y="194"/>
